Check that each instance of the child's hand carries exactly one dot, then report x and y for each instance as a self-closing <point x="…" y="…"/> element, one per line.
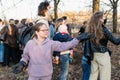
<point x="18" y="67"/>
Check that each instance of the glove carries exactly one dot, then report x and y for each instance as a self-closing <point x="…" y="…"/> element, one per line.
<point x="85" y="36"/>
<point x="18" y="67"/>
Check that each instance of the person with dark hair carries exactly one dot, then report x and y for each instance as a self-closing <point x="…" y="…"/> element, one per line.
<point x="68" y="26"/>
<point x="43" y="13"/>
<point x="63" y="57"/>
<point x="60" y="29"/>
<point x="16" y="22"/>
<point x="70" y="33"/>
<point x="10" y="43"/>
<point x="11" y="21"/>
<point x="38" y="53"/>
<point x="1" y="43"/>
<point x="43" y="8"/>
<point x="85" y="58"/>
<point x="100" y="64"/>
<point x="82" y="28"/>
<point x="23" y="21"/>
<point x="58" y="22"/>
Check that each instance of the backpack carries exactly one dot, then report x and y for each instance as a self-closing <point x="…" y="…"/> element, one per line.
<point x="26" y="35"/>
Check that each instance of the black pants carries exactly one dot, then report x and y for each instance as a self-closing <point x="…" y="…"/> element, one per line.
<point x="10" y="53"/>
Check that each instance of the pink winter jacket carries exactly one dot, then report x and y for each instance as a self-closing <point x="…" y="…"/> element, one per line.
<point x="39" y="55"/>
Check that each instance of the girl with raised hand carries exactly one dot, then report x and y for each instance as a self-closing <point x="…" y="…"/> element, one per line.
<point x="38" y="53"/>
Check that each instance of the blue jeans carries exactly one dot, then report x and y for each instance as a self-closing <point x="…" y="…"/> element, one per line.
<point x="64" y="66"/>
<point x="85" y="69"/>
<point x="1" y="52"/>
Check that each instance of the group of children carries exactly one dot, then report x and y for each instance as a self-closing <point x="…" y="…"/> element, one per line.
<point x="38" y="52"/>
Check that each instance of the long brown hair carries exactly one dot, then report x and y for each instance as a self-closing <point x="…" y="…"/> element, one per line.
<point x="95" y="26"/>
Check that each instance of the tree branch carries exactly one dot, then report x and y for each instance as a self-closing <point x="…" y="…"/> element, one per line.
<point x="109" y="5"/>
<point x="58" y="2"/>
<point x="112" y="3"/>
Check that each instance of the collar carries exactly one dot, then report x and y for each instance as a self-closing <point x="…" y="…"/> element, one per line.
<point x="42" y="43"/>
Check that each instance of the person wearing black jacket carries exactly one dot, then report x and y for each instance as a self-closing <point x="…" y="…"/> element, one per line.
<point x="100" y="63"/>
<point x="85" y="55"/>
<point x="82" y="28"/>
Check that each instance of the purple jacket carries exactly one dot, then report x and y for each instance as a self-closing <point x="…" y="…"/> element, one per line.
<point x="39" y="55"/>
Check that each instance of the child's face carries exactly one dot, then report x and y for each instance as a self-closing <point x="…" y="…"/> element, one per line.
<point x="43" y="32"/>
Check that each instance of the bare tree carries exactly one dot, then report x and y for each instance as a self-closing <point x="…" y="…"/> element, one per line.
<point x="96" y="4"/>
<point x="56" y="2"/>
<point x="114" y="6"/>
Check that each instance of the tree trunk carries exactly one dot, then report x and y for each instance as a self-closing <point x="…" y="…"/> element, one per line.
<point x="96" y="5"/>
<point x="55" y="9"/>
<point x="115" y="19"/>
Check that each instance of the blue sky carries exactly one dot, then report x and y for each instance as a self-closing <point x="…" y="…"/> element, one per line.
<point x="28" y="8"/>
